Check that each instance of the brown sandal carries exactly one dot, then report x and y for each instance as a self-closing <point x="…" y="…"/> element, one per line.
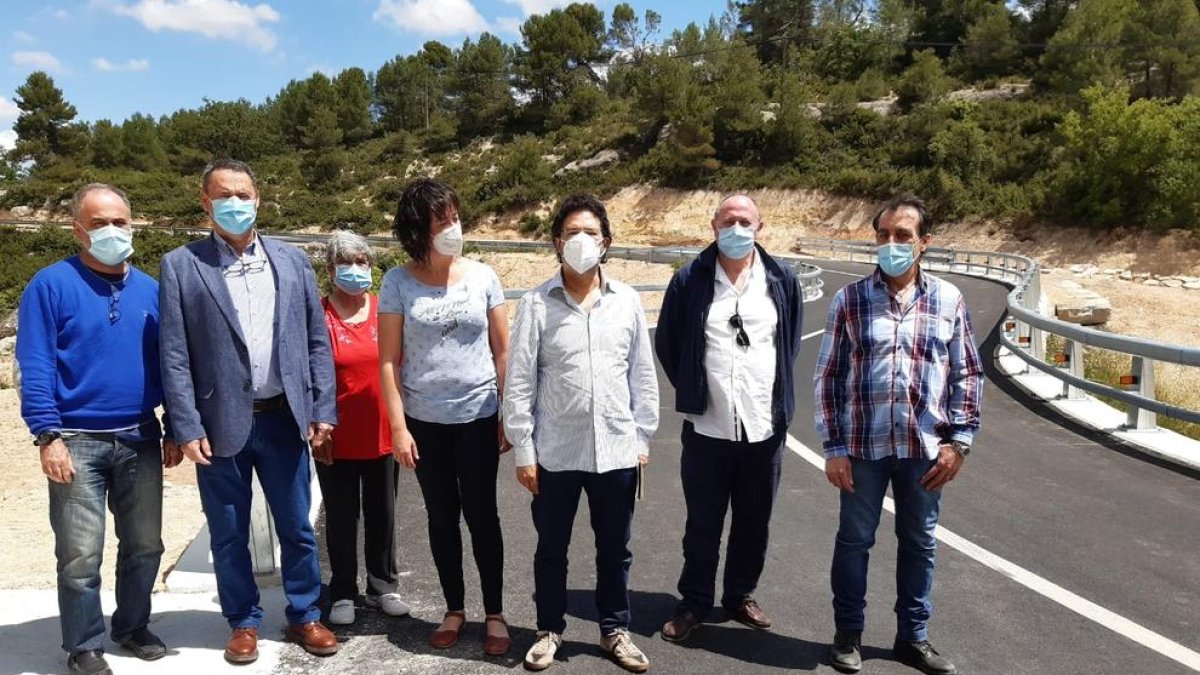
<point x="494" y="645"/>
<point x="445" y="639"/>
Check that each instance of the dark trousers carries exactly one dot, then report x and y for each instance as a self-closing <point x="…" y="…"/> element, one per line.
<point x="360" y="486"/>
<point x="280" y="455"/>
<point x="610" y="501"/>
<point x="719" y="475"/>
<point x="457" y="473"/>
<point x="129" y="475"/>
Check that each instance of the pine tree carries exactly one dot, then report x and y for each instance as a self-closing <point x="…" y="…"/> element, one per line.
<point x="45" y="131"/>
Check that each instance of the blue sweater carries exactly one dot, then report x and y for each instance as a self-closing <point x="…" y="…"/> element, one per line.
<point x="80" y="369"/>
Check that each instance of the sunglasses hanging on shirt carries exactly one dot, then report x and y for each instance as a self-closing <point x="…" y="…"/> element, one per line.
<point x="743" y="340"/>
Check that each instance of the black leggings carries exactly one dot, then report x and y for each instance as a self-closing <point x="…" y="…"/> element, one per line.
<point x="350" y="487"/>
<point x="457" y="472"/>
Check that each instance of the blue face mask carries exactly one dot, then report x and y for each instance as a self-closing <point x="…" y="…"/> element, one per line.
<point x="234" y="215"/>
<point x="896" y="259"/>
<point x="353" y="279"/>
<point x="111" y="245"/>
<point x="735" y="241"/>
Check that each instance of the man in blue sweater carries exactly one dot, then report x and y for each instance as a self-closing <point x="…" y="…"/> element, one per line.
<point x="727" y="338"/>
<point x="87" y="347"/>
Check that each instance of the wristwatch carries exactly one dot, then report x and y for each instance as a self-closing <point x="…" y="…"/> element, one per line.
<point x="47" y="437"/>
<point x="961" y="448"/>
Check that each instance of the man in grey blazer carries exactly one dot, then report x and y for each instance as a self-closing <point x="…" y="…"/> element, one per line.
<point x="248" y="382"/>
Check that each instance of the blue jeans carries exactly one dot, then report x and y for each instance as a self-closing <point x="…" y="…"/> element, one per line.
<point x="129" y="475"/>
<point x="916" y="518"/>
<point x="610" y="501"/>
<point x="276" y="450"/>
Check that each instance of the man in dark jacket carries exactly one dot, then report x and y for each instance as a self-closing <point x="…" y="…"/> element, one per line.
<point x="727" y="337"/>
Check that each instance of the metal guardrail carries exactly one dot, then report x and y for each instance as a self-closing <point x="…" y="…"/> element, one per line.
<point x="1026" y="328"/>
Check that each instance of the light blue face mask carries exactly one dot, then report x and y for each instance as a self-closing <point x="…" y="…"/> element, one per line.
<point x="111" y="245"/>
<point x="735" y="241"/>
<point x="353" y="279"/>
<point x="234" y="215"/>
<point x="896" y="259"/>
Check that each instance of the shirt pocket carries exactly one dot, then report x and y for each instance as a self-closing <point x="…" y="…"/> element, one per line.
<point x="932" y="339"/>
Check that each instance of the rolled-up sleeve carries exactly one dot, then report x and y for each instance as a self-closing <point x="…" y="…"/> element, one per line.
<point x="964" y="382"/>
<point x="829" y="381"/>
<point x="521" y="380"/>
<point x="643" y="382"/>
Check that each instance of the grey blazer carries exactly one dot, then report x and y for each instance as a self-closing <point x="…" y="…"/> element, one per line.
<point x="205" y="362"/>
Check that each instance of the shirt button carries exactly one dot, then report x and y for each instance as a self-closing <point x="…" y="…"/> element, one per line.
<point x="246" y="385"/>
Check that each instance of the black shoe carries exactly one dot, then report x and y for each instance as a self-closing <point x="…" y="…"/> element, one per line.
<point x="922" y="656"/>
<point x="144" y="645"/>
<point x="844" y="655"/>
<point x="88" y="663"/>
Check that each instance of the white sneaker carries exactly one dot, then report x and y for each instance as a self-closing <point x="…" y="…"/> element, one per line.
<point x="390" y="603"/>
<point x="541" y="654"/>
<point x="342" y="613"/>
<point x="624" y="652"/>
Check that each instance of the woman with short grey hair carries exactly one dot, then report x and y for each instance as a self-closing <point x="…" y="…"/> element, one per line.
<point x="356" y="468"/>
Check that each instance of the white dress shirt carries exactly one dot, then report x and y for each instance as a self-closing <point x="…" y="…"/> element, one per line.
<point x="581" y="393"/>
<point x="741" y="380"/>
<point x="251" y="284"/>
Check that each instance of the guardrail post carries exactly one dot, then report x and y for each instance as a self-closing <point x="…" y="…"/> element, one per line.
<point x="1074" y="353"/>
<point x="262" y="533"/>
<point x="1137" y="418"/>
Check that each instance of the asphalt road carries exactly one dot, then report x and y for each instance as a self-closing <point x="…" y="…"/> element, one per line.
<point x="1080" y="511"/>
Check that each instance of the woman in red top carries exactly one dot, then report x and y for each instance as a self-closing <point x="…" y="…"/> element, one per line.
<point x="356" y="468"/>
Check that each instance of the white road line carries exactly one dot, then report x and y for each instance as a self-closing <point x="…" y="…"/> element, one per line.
<point x="1085" y="608"/>
<point x="813" y="334"/>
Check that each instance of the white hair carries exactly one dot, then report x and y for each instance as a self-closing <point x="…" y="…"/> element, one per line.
<point x="345" y="246"/>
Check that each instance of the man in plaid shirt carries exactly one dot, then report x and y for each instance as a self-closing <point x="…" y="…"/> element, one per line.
<point x="898" y="386"/>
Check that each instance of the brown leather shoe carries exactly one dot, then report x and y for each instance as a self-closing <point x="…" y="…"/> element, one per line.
<point x="445" y="639"/>
<point x="493" y="645"/>
<point x="680" y="626"/>
<point x="314" y="637"/>
<point x="242" y="647"/>
<point x="750" y="614"/>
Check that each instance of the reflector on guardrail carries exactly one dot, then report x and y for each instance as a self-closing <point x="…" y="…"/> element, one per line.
<point x="1062" y="358"/>
<point x="1128" y="381"/>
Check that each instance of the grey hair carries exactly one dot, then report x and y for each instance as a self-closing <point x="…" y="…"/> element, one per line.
<point x="345" y="245"/>
<point x="235" y="165"/>
<point x="83" y="192"/>
<point x="717" y="212"/>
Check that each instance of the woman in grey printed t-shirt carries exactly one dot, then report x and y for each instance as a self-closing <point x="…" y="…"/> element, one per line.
<point x="443" y="345"/>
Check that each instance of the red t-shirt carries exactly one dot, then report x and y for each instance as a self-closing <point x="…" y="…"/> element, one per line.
<point x="362" y="431"/>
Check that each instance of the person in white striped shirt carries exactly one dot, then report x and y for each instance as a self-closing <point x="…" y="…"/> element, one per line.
<point x="580" y="406"/>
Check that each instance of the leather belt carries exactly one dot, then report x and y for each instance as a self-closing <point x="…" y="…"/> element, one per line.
<point x="273" y="404"/>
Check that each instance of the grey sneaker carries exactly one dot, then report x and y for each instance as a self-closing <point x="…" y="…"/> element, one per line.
<point x="624" y="652"/>
<point x="390" y="603"/>
<point x="541" y="654"/>
<point x="844" y="655"/>
<point x="342" y="613"/>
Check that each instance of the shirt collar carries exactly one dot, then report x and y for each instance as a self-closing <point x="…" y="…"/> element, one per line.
<point x="556" y="281"/>
<point x="229" y="256"/>
<point x="757" y="270"/>
<point x="880" y="282"/>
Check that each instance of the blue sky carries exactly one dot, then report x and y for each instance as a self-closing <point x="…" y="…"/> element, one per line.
<point x="113" y="58"/>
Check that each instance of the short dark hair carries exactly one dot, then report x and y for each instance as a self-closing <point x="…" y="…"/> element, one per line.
<point x="924" y="219"/>
<point x="423" y="199"/>
<point x="226" y="164"/>
<point x="575" y="204"/>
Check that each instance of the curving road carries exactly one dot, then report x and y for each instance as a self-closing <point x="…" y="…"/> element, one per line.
<point x="1065" y="553"/>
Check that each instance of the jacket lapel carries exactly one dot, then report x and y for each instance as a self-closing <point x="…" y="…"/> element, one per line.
<point x="208" y="264"/>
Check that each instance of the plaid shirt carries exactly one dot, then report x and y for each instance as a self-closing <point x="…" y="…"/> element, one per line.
<point x="897" y="381"/>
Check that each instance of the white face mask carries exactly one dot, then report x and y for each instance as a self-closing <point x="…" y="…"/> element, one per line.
<point x="582" y="253"/>
<point x="450" y="240"/>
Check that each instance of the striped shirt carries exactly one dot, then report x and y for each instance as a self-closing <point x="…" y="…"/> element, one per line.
<point x="581" y="392"/>
<point x="893" y="380"/>
<point x="251" y="284"/>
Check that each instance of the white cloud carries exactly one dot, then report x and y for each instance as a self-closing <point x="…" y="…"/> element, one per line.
<point x="38" y="61"/>
<point x="60" y="14"/>
<point x="132" y="65"/>
<point x="509" y="24"/>
<point x="216" y="19"/>
<point x="22" y="36"/>
<point x="431" y="17"/>
<point x="530" y="7"/>
<point x="8" y="114"/>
